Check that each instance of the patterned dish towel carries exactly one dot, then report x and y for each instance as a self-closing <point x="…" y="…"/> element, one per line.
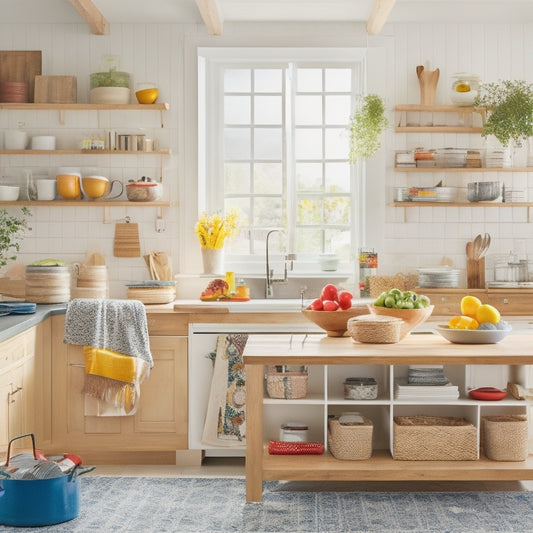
<point x="114" y="334"/>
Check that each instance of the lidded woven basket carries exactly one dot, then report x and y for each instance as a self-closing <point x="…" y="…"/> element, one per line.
<point x="375" y="329"/>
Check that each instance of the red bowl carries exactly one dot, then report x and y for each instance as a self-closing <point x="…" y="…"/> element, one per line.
<point x="487" y="394"/>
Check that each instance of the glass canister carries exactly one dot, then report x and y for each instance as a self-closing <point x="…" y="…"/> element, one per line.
<point x="464" y="88"/>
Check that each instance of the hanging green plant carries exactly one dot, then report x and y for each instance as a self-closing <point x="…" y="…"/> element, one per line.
<point x="509" y="105"/>
<point x="12" y="230"/>
<point x="366" y="125"/>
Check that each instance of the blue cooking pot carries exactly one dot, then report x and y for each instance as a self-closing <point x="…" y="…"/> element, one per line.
<point x="40" y="502"/>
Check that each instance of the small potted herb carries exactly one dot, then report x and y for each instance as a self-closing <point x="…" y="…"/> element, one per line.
<point x="509" y="105"/>
<point x="12" y="229"/>
<point x="366" y="125"/>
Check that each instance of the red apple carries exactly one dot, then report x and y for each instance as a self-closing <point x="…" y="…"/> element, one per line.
<point x="330" y="305"/>
<point x="316" y="305"/>
<point x="329" y="292"/>
<point x="345" y="300"/>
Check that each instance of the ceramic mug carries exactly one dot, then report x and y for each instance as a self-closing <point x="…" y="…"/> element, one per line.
<point x="99" y="187"/>
<point x="68" y="186"/>
<point x="46" y="189"/>
<point x="15" y="140"/>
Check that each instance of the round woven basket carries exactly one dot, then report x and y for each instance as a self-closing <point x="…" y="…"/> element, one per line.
<point x="375" y="329"/>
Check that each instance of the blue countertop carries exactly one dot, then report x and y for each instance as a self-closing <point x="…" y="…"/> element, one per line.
<point x="11" y="325"/>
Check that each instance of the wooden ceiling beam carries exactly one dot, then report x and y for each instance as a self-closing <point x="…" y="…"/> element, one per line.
<point x="378" y="16"/>
<point x="91" y="14"/>
<point x="211" y="15"/>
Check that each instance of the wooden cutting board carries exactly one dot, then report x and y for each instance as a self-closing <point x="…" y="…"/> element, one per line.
<point x="127" y="243"/>
<point x="21" y="65"/>
<point x="55" y="90"/>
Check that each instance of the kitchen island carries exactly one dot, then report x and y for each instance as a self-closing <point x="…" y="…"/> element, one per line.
<point x="511" y="356"/>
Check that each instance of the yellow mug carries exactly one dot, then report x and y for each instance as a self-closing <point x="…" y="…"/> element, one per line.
<point x="95" y="187"/>
<point x="68" y="186"/>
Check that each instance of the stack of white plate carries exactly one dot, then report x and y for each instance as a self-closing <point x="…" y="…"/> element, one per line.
<point x="441" y="276"/>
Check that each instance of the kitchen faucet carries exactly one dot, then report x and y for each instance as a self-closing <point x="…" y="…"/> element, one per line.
<point x="270" y="280"/>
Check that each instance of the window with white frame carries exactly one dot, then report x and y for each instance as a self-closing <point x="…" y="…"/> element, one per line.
<point x="274" y="142"/>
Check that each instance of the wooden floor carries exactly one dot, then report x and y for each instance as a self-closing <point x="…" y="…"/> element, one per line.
<point x="234" y="467"/>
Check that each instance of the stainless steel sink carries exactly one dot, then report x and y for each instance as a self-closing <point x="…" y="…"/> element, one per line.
<point x="293" y="288"/>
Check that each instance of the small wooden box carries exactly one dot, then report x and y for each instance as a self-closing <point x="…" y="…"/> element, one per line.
<point x="55" y="89"/>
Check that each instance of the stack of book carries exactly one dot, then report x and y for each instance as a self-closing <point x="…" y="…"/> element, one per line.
<point x="425" y="382"/>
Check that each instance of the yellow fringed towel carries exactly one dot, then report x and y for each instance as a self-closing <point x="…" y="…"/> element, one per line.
<point x="113" y="377"/>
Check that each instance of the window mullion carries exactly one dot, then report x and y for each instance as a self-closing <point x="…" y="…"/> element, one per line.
<point x="290" y="106"/>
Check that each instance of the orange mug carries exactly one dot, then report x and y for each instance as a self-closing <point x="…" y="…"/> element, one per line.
<point x="68" y="186"/>
<point x="95" y="187"/>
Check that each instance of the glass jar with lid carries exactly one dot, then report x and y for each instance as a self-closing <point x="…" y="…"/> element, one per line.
<point x="464" y="88"/>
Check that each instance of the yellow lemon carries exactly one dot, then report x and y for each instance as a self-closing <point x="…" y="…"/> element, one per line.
<point x="463" y="322"/>
<point x="469" y="306"/>
<point x="487" y="313"/>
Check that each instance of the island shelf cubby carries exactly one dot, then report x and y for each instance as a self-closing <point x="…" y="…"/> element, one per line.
<point x="331" y="360"/>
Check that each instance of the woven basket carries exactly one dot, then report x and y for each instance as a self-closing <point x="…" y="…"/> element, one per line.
<point x="287" y="385"/>
<point x="434" y="438"/>
<point x="505" y="437"/>
<point x="350" y="442"/>
<point x="375" y="329"/>
<point x="379" y="284"/>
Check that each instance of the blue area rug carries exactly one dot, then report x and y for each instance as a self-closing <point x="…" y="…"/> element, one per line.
<point x="218" y="505"/>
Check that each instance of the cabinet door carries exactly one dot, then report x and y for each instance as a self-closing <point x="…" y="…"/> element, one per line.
<point x="11" y="405"/>
<point x="160" y="422"/>
<point x="163" y="406"/>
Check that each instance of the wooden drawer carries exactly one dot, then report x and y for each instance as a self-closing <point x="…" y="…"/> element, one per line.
<point x="17" y="348"/>
<point x="167" y="323"/>
<point x="511" y="303"/>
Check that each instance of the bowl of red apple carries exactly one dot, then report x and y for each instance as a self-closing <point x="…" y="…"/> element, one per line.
<point x="332" y="310"/>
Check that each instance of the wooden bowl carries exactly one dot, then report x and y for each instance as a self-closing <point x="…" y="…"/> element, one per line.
<point x="334" y="323"/>
<point x="411" y="317"/>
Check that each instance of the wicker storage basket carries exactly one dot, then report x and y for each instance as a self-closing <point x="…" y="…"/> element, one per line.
<point x="375" y="329"/>
<point x="505" y="437"/>
<point x="287" y="384"/>
<point x="350" y="442"/>
<point x="434" y="438"/>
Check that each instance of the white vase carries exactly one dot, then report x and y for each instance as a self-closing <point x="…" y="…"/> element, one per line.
<point x="213" y="260"/>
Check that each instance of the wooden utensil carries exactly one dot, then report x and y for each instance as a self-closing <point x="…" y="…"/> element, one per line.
<point x="471" y="267"/>
<point x="127" y="242"/>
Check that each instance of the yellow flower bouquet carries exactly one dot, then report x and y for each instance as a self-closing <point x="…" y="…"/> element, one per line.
<point x="213" y="230"/>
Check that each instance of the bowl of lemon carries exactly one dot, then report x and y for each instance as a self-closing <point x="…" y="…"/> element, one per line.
<point x="478" y="323"/>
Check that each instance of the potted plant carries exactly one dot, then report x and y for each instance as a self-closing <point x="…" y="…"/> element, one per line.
<point x="509" y="106"/>
<point x="366" y="125"/>
<point x="110" y="86"/>
<point x="12" y="230"/>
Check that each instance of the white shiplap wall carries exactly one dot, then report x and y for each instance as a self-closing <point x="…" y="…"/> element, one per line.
<point x="165" y="54"/>
<point x="414" y="237"/>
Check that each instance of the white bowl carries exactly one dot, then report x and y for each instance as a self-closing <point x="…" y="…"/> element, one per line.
<point x="43" y="142"/>
<point x="9" y="193"/>
<point x="109" y="95"/>
<point x="473" y="336"/>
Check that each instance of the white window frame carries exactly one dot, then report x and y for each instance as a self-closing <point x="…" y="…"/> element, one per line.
<point x="210" y="166"/>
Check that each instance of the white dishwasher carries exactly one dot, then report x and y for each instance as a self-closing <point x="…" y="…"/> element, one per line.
<point x="202" y="341"/>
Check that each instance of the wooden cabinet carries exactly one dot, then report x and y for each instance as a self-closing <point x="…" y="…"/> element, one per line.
<point x="510" y="302"/>
<point x="22" y="386"/>
<point x="151" y="435"/>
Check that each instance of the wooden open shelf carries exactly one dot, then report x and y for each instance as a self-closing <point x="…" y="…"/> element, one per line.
<point x="82" y="107"/>
<point x="462" y="204"/>
<point x="165" y="151"/>
<point x="402" y="127"/>
<point x="86" y="203"/>
<point x="463" y="169"/>
<point x="382" y="467"/>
